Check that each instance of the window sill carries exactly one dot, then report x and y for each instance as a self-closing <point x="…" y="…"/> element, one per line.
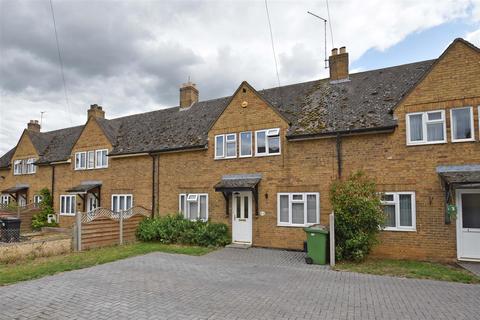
<point x="410" y="144"/>
<point x="296" y="225"/>
<point x="399" y="229"/>
<point x="463" y="140"/>
<point x="267" y="155"/>
<point x="67" y="214"/>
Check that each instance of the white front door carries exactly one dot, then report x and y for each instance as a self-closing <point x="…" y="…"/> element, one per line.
<point x="92" y="202"/>
<point x="242" y="217"/>
<point x="468" y="224"/>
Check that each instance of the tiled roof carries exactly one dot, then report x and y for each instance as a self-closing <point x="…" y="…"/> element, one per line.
<point x="364" y="102"/>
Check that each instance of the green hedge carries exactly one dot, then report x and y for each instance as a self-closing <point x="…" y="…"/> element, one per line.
<point x="176" y="229"/>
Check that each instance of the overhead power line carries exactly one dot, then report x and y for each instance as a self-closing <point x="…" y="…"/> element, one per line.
<point x="60" y="60"/>
<point x="273" y="44"/>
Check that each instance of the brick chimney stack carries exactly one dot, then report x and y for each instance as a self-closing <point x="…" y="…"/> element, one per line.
<point x="188" y="95"/>
<point x="96" y="111"/>
<point x="33" y="125"/>
<point x="338" y="64"/>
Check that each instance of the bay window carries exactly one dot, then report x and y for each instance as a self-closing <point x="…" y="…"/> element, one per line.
<point x="298" y="209"/>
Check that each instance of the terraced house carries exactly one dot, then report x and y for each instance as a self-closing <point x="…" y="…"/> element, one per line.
<point x="263" y="160"/>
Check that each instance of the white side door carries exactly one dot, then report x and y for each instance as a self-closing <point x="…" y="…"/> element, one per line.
<point x="92" y="202"/>
<point x="242" y="217"/>
<point x="468" y="224"/>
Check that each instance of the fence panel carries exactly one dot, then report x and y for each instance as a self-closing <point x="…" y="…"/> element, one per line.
<point x="103" y="227"/>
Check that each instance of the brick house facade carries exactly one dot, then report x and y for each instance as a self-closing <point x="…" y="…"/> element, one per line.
<point x="263" y="161"/>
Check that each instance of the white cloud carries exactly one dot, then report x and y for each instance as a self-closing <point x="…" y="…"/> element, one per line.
<point x="132" y="56"/>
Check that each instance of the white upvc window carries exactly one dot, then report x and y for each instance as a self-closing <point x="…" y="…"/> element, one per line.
<point x="426" y="127"/>
<point x="80" y="160"/>
<point x="246" y="144"/>
<point x="121" y="202"/>
<point x="68" y="204"/>
<point x="17" y="167"/>
<point x="231" y="145"/>
<point x="31" y="167"/>
<point x="298" y="209"/>
<point x="193" y="206"/>
<point x="267" y="142"/>
<point x="90" y="159"/>
<point x="462" y="124"/>
<point x="399" y="208"/>
<point x="101" y="158"/>
<point x="5" y="199"/>
<point x="219" y="146"/>
<point x="37" y="199"/>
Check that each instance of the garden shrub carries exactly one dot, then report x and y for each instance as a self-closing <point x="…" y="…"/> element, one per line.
<point x="358" y="216"/>
<point x="46" y="207"/>
<point x="176" y="229"/>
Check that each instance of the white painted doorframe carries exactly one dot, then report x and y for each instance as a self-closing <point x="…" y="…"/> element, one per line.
<point x="242" y="217"/>
<point x="466" y="234"/>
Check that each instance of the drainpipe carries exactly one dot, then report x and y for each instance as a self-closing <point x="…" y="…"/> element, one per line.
<point x="155" y="183"/>
<point x="53" y="183"/>
<point x="339" y="155"/>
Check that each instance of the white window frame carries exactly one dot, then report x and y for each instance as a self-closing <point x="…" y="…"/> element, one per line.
<point x="304" y="201"/>
<point x="90" y="159"/>
<point x="119" y="196"/>
<point x="37" y="198"/>
<point x="396" y="203"/>
<point x="31" y="168"/>
<point x="268" y="133"/>
<point x="99" y="157"/>
<point x="78" y="155"/>
<point x="64" y="212"/>
<point x="241" y="143"/>
<point x="472" y="127"/>
<point x="220" y="156"/>
<point x="5" y="199"/>
<point x="234" y="141"/>
<point x="192" y="197"/>
<point x="425" y="121"/>
<point x="17" y="167"/>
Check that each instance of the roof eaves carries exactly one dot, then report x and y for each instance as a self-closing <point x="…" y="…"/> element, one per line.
<point x="330" y="134"/>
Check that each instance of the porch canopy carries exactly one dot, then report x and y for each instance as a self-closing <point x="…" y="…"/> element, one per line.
<point x="455" y="176"/>
<point x="15" y="191"/>
<point x="239" y="182"/>
<point x="84" y="188"/>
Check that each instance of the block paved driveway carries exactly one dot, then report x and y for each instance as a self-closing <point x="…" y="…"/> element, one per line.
<point x="233" y="284"/>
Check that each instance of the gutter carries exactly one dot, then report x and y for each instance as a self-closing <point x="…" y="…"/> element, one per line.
<point x="152" y="152"/>
<point x="309" y="136"/>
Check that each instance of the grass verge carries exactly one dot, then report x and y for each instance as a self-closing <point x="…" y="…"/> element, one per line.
<point x="40" y="267"/>
<point x="411" y="269"/>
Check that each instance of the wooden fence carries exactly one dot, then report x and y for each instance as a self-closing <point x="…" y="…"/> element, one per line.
<point x="25" y="214"/>
<point x="103" y="227"/>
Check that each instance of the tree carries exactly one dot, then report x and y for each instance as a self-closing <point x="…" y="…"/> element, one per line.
<point x="358" y="216"/>
<point x="46" y="207"/>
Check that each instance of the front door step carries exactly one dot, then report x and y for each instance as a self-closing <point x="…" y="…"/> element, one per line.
<point x="239" y="245"/>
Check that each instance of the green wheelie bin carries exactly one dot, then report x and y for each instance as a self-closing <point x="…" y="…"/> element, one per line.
<point x="316" y="245"/>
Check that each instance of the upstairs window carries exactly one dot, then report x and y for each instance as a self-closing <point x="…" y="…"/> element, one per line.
<point x="267" y="142"/>
<point x="25" y="166"/>
<point x="102" y="158"/>
<point x="17" y="167"/>
<point x="80" y="160"/>
<point x="426" y="127"/>
<point x="246" y="144"/>
<point x="462" y="124"/>
<point x="194" y="206"/>
<point x="399" y="208"/>
<point x="226" y="146"/>
<point x="90" y="159"/>
<point x="219" y="146"/>
<point x="31" y="167"/>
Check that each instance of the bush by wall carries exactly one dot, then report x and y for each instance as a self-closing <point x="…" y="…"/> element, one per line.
<point x="46" y="207"/>
<point x="176" y="229"/>
<point x="358" y="216"/>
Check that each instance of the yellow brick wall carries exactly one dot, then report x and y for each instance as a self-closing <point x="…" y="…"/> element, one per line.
<point x="37" y="181"/>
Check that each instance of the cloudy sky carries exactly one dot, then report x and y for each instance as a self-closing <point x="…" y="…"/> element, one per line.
<point x="131" y="56"/>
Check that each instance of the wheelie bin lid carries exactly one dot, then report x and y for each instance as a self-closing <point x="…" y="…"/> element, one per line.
<point x="316" y="229"/>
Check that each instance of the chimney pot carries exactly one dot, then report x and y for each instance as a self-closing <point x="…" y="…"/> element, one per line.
<point x="33" y="125"/>
<point x="188" y="94"/>
<point x="338" y="64"/>
<point x="96" y="111"/>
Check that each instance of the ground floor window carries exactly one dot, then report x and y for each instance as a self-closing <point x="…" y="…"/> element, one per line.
<point x="193" y="206"/>
<point x="68" y="203"/>
<point x="37" y="199"/>
<point x="5" y="199"/>
<point x="298" y="209"/>
<point x="122" y="202"/>
<point x="399" y="207"/>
